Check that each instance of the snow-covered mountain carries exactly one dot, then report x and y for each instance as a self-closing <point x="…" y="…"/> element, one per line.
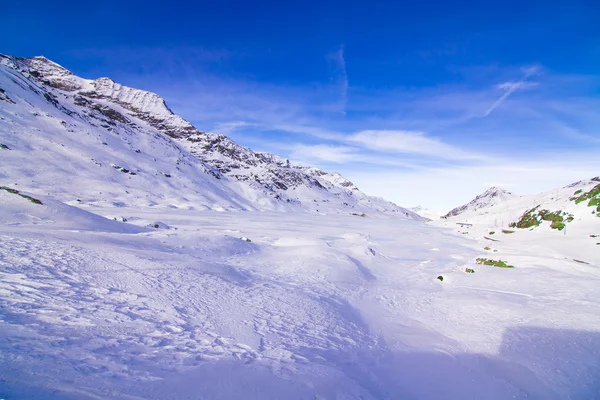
<point x="426" y="213"/>
<point x="98" y="142"/>
<point x="490" y="197"/>
<point x="575" y="204"/>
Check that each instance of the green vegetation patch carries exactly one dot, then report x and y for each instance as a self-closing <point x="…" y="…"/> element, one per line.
<point x="492" y="232"/>
<point x="528" y="219"/>
<point x="507" y="232"/>
<point x="494" y="263"/>
<point x="469" y="270"/>
<point x="14" y="191"/>
<point x="534" y="217"/>
<point x="593" y="196"/>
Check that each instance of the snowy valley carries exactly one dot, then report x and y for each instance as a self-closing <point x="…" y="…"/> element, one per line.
<point x="141" y="258"/>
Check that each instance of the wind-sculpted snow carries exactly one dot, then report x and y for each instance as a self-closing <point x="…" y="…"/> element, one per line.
<point x="311" y="307"/>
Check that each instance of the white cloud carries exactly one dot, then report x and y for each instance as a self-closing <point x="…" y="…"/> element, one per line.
<point x="408" y="142"/>
<point x="339" y="75"/>
<point x="226" y="128"/>
<point x="323" y="152"/>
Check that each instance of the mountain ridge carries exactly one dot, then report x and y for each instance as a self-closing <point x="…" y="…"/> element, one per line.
<point x="112" y="111"/>
<point x="491" y="196"/>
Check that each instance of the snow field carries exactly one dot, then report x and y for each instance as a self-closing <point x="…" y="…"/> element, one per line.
<point x="313" y="307"/>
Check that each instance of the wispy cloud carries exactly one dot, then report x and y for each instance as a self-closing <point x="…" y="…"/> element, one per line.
<point x="227" y="128"/>
<point x="408" y="142"/>
<point x="339" y="75"/>
<point x="511" y="87"/>
<point x="341" y="155"/>
<point x="323" y="152"/>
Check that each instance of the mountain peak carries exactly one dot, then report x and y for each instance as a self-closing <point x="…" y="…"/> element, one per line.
<point x="495" y="191"/>
<point x="490" y="197"/>
<point x="47" y="67"/>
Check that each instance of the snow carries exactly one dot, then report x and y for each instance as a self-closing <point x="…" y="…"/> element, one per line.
<point x="501" y="210"/>
<point x="315" y="306"/>
<point x="492" y="196"/>
<point x="141" y="100"/>
<point x="239" y="295"/>
<point x="427" y="213"/>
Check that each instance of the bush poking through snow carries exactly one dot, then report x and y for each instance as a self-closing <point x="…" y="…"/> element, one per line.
<point x="245" y="239"/>
<point x="14" y="191"/>
<point x="494" y="263"/>
<point x="534" y="217"/>
<point x="440" y="278"/>
<point x="593" y="196"/>
<point x="492" y="232"/>
<point x="507" y="232"/>
<point x="469" y="270"/>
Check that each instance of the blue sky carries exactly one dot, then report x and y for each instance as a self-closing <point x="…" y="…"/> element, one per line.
<point x="418" y="102"/>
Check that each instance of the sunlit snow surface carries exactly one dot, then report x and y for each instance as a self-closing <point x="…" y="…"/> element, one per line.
<point x="313" y="307"/>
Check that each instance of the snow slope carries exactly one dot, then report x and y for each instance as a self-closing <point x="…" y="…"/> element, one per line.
<point x="503" y="210"/>
<point x="313" y="307"/>
<point x="18" y="211"/>
<point x="107" y="144"/>
<point x="492" y="196"/>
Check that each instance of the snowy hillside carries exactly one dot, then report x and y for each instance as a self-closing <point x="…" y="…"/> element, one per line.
<point x="492" y="196"/>
<point x="427" y="213"/>
<point x="574" y="205"/>
<point x="98" y="142"/>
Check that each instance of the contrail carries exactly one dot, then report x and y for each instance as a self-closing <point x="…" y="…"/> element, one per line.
<point x="510" y="88"/>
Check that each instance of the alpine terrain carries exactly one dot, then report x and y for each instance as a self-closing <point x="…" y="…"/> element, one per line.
<point x="142" y="258"/>
<point x="98" y="142"/>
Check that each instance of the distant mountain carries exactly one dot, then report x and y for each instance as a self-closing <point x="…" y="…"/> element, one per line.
<point x="426" y="213"/>
<point x="577" y="204"/>
<point x="99" y="142"/>
<point x="490" y="197"/>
